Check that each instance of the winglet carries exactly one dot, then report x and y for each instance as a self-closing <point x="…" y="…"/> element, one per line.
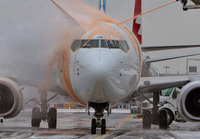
<point x="137" y="22"/>
<point x="102" y="5"/>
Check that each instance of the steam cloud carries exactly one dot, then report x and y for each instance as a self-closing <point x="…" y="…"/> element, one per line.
<point x="32" y="33"/>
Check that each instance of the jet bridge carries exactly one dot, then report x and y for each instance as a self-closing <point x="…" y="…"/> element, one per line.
<point x="187" y="6"/>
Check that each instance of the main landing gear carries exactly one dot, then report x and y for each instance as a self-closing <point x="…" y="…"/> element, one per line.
<point x="39" y="114"/>
<point x="157" y="117"/>
<point x="98" y="122"/>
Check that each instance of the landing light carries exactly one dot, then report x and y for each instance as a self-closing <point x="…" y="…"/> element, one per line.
<point x="147" y="83"/>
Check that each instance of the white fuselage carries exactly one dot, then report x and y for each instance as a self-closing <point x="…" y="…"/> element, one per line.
<point x="96" y="72"/>
<point x="102" y="75"/>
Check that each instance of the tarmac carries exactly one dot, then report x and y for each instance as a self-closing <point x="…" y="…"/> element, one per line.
<point x="76" y="124"/>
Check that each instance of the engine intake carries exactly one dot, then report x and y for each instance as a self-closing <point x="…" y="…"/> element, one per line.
<point x="189" y="101"/>
<point x="11" y="99"/>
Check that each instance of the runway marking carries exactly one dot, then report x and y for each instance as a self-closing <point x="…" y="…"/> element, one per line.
<point x="99" y="136"/>
<point x="108" y="131"/>
<point x="167" y="135"/>
<point x="1" y="134"/>
<point x="63" y="132"/>
<point x="78" y="121"/>
<point x="47" y="131"/>
<point x="125" y="120"/>
<point x="129" y="117"/>
<point x="117" y="126"/>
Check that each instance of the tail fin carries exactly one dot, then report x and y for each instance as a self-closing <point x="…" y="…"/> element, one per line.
<point x="137" y="23"/>
<point x="102" y="5"/>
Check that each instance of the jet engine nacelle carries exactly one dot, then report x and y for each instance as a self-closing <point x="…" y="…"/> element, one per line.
<point x="189" y="101"/>
<point x="11" y="99"/>
<point x="197" y="2"/>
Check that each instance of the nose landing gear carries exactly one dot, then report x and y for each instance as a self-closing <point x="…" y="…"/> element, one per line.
<point x="98" y="122"/>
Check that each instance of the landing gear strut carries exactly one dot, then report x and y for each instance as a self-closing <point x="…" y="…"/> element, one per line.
<point x="156" y="100"/>
<point x="98" y="122"/>
<point x="45" y="115"/>
<point x="157" y="117"/>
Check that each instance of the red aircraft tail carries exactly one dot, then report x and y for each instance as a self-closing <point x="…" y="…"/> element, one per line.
<point x="137" y="23"/>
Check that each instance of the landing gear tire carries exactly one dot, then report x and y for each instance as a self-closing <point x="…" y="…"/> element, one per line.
<point x="93" y="126"/>
<point x="36" y="118"/>
<point x="170" y="117"/>
<point x="103" y="126"/>
<point x="52" y="118"/>
<point x="163" y="119"/>
<point x="146" y="120"/>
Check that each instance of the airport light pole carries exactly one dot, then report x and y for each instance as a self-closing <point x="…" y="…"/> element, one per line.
<point x="167" y="67"/>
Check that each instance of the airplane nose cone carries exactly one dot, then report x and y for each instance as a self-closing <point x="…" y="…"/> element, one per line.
<point x="98" y="62"/>
<point x="102" y="65"/>
<point x="98" y="72"/>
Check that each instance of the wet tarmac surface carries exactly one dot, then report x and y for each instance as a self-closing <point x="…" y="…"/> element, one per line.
<point x="77" y="125"/>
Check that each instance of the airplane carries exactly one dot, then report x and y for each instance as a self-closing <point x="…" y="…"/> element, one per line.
<point x="100" y="66"/>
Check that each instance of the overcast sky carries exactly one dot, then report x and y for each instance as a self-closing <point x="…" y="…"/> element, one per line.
<point x="167" y="26"/>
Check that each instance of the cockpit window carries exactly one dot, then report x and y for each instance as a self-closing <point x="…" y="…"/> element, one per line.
<point x="109" y="44"/>
<point x="103" y="43"/>
<point x="124" y="46"/>
<point x="90" y="43"/>
<point x="76" y="45"/>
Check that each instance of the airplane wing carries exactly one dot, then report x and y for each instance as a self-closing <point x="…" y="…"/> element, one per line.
<point x="150" y="60"/>
<point x="158" y="48"/>
<point x="54" y="87"/>
<point x="150" y="84"/>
